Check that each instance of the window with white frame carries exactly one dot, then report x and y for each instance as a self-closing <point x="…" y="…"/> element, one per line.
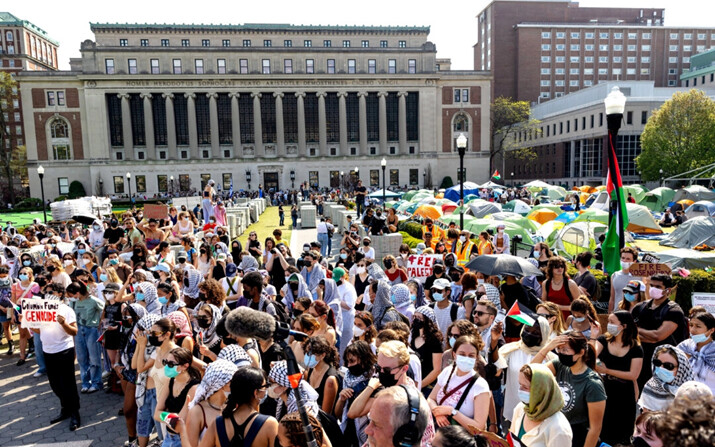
<point x="60" y="140"/>
<point x="177" y="66"/>
<point x="266" y="66"/>
<point x="392" y="66"/>
<point x="109" y="66"/>
<point x="310" y="66"/>
<point x="288" y="66"/>
<point x="545" y="35"/>
<point x="412" y="66"/>
<point x="351" y="66"/>
<point x="221" y="66"/>
<point x="331" y="66"/>
<point x="132" y="66"/>
<point x="64" y="185"/>
<point x="371" y="66"/>
<point x="560" y="59"/>
<point x="199" y="66"/>
<point x="154" y="66"/>
<point x="243" y="66"/>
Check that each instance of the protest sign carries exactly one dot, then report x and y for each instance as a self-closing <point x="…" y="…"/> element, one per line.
<point x="156" y="211"/>
<point x="645" y="270"/>
<point x="39" y="313"/>
<point x="420" y="266"/>
<point x="707" y="300"/>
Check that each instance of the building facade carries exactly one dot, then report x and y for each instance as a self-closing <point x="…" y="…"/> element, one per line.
<point x="544" y="49"/>
<point x="570" y="140"/>
<point x="176" y="105"/>
<point x="702" y="71"/>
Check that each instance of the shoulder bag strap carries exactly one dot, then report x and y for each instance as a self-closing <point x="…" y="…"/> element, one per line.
<point x="466" y="391"/>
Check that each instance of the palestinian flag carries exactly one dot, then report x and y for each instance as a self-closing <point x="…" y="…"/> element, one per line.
<point x="522" y="314"/>
<point x="618" y="220"/>
<point x="496" y="175"/>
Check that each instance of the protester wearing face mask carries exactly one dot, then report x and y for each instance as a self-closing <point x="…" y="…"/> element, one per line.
<point x="633" y="294"/>
<point x="367" y="250"/>
<point x="583" y="318"/>
<point x="620" y="279"/>
<point x="700" y="349"/>
<point x="111" y="321"/>
<point x="670" y="370"/>
<point x="542" y="253"/>
<point x="359" y="359"/>
<point x="364" y="330"/>
<point x="501" y="240"/>
<point x="620" y="358"/>
<point x="660" y="321"/>
<point x="444" y="309"/>
<point x="584" y="394"/>
<point x="321" y="361"/>
<point x="312" y="272"/>
<point x="427" y="342"/>
<point x="57" y="271"/>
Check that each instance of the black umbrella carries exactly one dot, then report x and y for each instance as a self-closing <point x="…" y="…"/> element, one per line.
<point x="85" y="219"/>
<point x="502" y="265"/>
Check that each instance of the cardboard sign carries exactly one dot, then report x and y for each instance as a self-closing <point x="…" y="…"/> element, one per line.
<point x="39" y="313"/>
<point x="156" y="211"/>
<point x="420" y="266"/>
<point x="651" y="259"/>
<point x="707" y="300"/>
<point x="646" y="270"/>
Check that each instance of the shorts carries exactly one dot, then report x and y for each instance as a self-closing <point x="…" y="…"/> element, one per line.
<point x="145" y="415"/>
<point x="111" y="339"/>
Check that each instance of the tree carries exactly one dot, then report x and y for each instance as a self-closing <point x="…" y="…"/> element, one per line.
<point x="508" y="117"/>
<point x="76" y="190"/>
<point x="447" y="182"/>
<point x="11" y="158"/>
<point x="679" y="136"/>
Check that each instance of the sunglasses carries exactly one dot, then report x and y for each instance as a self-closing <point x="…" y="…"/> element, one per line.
<point x="386" y="369"/>
<point x="544" y="315"/>
<point x="156" y="334"/>
<point x="169" y="363"/>
<point x="559" y="266"/>
<point x="667" y="365"/>
<point x="479" y="313"/>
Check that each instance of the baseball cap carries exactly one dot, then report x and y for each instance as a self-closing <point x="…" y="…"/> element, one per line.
<point x="231" y="270"/>
<point x="221" y="257"/>
<point x="440" y="284"/>
<point x="161" y="267"/>
<point x="634" y="287"/>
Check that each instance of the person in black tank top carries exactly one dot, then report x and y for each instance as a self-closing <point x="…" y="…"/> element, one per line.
<point x="321" y="359"/>
<point x="182" y="384"/>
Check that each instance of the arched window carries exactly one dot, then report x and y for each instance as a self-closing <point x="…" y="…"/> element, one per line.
<point x="461" y="123"/>
<point x="60" y="141"/>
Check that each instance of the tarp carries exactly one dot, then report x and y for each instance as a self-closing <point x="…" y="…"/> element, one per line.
<point x="453" y="192"/>
<point x="641" y="221"/>
<point x="694" y="232"/>
<point x="431" y="211"/>
<point x="517" y="206"/>
<point x="567" y="217"/>
<point x="685" y="258"/>
<point x="694" y="193"/>
<point x="491" y="185"/>
<point x="578" y="237"/>
<point x="702" y="208"/>
<point x="658" y="199"/>
<point x="518" y="219"/>
<point x="482" y="208"/>
<point x="388" y="194"/>
<point x="542" y="215"/>
<point x="638" y="191"/>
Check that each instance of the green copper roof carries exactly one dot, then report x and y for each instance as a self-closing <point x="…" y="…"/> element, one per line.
<point x="8" y="19"/>
<point x="257" y="27"/>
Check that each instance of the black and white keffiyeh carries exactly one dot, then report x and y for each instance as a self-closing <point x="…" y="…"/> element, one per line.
<point x="145" y="323"/>
<point x="209" y="335"/>
<point x="194" y="278"/>
<point x="236" y="355"/>
<point x="218" y="373"/>
<point x="151" y="299"/>
<point x="657" y="394"/>
<point x="279" y="374"/>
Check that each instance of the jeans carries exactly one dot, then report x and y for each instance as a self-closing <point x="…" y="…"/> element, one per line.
<point x="324" y="240"/>
<point x="282" y="218"/>
<point x="360" y="205"/>
<point x="39" y="355"/>
<point x="295" y="220"/>
<point x="172" y="440"/>
<point x="89" y="356"/>
<point x="145" y="416"/>
<point x="60" y="372"/>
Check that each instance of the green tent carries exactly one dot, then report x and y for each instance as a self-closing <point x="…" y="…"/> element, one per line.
<point x="476" y="226"/>
<point x="409" y="194"/>
<point x="555" y="208"/>
<point x="658" y="199"/>
<point x="518" y="219"/>
<point x="638" y="191"/>
<point x="455" y="218"/>
<point x="593" y="215"/>
<point x="517" y="206"/>
<point x="578" y="237"/>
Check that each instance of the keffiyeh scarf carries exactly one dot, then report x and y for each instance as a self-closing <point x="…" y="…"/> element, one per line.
<point x="151" y="299"/>
<point x="657" y="394"/>
<point x="209" y="335"/>
<point x="218" y="374"/>
<point x="279" y="374"/>
<point x="194" y="278"/>
<point x="702" y="362"/>
<point x="182" y="324"/>
<point x="146" y="322"/>
<point x="236" y="355"/>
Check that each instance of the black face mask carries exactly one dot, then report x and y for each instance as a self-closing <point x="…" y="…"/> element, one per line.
<point x="530" y="339"/>
<point x="366" y="243"/>
<point x="449" y="262"/>
<point x="203" y="323"/>
<point x="154" y="340"/>
<point x="640" y="442"/>
<point x="202" y="296"/>
<point x="228" y="341"/>
<point x="137" y="252"/>
<point x="297" y="313"/>
<point x="438" y="271"/>
<point x="417" y="325"/>
<point x="51" y="268"/>
<point x="566" y="359"/>
<point x="387" y="379"/>
<point x="293" y="286"/>
<point x="388" y="264"/>
<point x="356" y="370"/>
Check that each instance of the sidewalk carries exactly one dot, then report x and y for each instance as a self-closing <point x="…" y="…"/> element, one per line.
<point x="301" y="236"/>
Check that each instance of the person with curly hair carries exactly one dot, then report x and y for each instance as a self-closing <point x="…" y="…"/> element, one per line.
<point x="427" y="343"/>
<point x="211" y="290"/>
<point x="322" y="361"/>
<point x="688" y="422"/>
<point x="291" y="433"/>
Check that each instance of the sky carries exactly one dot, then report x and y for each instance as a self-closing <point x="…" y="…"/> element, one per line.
<point x="453" y="23"/>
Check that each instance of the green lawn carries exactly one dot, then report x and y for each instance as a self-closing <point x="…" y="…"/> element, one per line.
<point x="23" y="219"/>
<point x="267" y="222"/>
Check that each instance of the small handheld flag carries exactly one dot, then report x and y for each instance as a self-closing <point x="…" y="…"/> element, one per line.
<point x="496" y="175"/>
<point x="169" y="418"/>
<point x="521" y="314"/>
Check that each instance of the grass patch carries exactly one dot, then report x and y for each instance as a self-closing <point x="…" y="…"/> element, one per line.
<point x="267" y="222"/>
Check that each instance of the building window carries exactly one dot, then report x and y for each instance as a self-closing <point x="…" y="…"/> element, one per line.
<point x="123" y="43"/>
<point x="575" y="47"/>
<point x="310" y="66"/>
<point x="346" y="44"/>
<point x="185" y="42"/>
<point x="243" y="66"/>
<point x="575" y="36"/>
<point x="60" y="139"/>
<point x="184" y="182"/>
<point x="162" y="183"/>
<point x="412" y="66"/>
<point x="205" y="43"/>
<point x="154" y="66"/>
<point x="177" y="66"/>
<point x="109" y="66"/>
<point x="371" y="66"/>
<point x="199" y="66"/>
<point x="50" y="98"/>
<point x="288" y="66"/>
<point x="559" y="47"/>
<point x="603" y="47"/>
<point x="327" y="43"/>
<point x="673" y="36"/>
<point x="589" y="35"/>
<point x="246" y="42"/>
<point x="266" y="64"/>
<point x="383" y="44"/>
<point x="545" y="71"/>
<point x="64" y="185"/>
<point x="227" y="181"/>
<point x="575" y="59"/>
<point x="394" y="177"/>
<point x="545" y="83"/>
<point x="60" y="102"/>
<point x="560" y="35"/>
<point x="313" y="178"/>
<point x="644" y="117"/>
<point x="545" y="47"/>
<point x="267" y="43"/>
<point x="144" y="42"/>
<point x="331" y="66"/>
<point x="617" y="47"/>
<point x="365" y="44"/>
<point x="307" y="43"/>
<point x="402" y="44"/>
<point x="351" y="66"/>
<point x="673" y="60"/>
<point x="645" y="59"/>
<point x="673" y="48"/>
<point x="374" y="178"/>
<point x="645" y="47"/>
<point x="546" y="59"/>
<point x="140" y="182"/>
<point x="546" y="35"/>
<point x="392" y="66"/>
<point x="226" y="42"/>
<point x="333" y="151"/>
<point x="221" y="66"/>
<point x="119" y="184"/>
<point x="672" y="83"/>
<point x="288" y="43"/>
<point x="132" y="66"/>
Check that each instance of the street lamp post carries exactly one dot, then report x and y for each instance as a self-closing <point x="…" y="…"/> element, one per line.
<point x="129" y="182"/>
<point x="661" y="177"/>
<point x="248" y="179"/>
<point x="41" y="174"/>
<point x="292" y="178"/>
<point x="357" y="177"/>
<point x="615" y="104"/>
<point x="383" y="163"/>
<point x="171" y="186"/>
<point x="461" y="148"/>
<point x="101" y="187"/>
<point x="342" y="182"/>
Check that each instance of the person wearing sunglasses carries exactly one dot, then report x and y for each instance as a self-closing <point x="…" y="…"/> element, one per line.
<point x="670" y="370"/>
<point x="558" y="287"/>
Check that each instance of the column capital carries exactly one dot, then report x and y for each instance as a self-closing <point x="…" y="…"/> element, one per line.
<point x="300" y="94"/>
<point x="190" y="95"/>
<point x="234" y="95"/>
<point x="213" y="95"/>
<point x="342" y="94"/>
<point x="401" y="94"/>
<point x="363" y="94"/>
<point x="321" y="94"/>
<point x="278" y="95"/>
<point x="167" y="95"/>
<point x="381" y="94"/>
<point x="256" y="95"/>
<point x="123" y="96"/>
<point x="145" y="95"/>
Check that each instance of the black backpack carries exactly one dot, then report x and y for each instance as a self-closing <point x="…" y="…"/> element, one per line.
<point x="452" y="310"/>
<point x="281" y="314"/>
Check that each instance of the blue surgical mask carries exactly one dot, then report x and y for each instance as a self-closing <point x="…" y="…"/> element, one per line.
<point x="27" y="263"/>
<point x="343" y="256"/>
<point x="114" y="261"/>
<point x="697" y="338"/>
<point x="524" y="396"/>
<point x="413" y="298"/>
<point x="139" y="296"/>
<point x="579" y="320"/>
<point x="452" y="340"/>
<point x="630" y="297"/>
<point x="81" y="251"/>
<point x="664" y="375"/>
<point x="103" y="277"/>
<point x="170" y="372"/>
<point x="163" y="299"/>
<point x="465" y="364"/>
<point x="23" y="277"/>
<point x="310" y="361"/>
<point x="437" y="296"/>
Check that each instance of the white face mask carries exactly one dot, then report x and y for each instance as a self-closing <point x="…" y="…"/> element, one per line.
<point x="360" y="270"/>
<point x="357" y="331"/>
<point x="626" y="265"/>
<point x="67" y="263"/>
<point x="462" y="238"/>
<point x="272" y="392"/>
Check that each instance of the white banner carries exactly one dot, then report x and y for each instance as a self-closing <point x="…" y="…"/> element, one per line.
<point x="39" y="313"/>
<point x="707" y="300"/>
<point x="420" y="266"/>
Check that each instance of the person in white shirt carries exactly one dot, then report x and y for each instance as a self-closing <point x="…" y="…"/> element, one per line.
<point x="348" y="298"/>
<point x="231" y="284"/>
<point x="368" y="251"/>
<point x="322" y="229"/>
<point x="58" y="349"/>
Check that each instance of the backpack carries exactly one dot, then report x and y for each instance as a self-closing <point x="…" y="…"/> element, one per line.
<point x="682" y="332"/>
<point x="281" y="313"/>
<point x="452" y="310"/>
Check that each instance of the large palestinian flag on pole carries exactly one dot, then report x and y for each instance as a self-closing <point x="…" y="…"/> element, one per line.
<point x="618" y="220"/>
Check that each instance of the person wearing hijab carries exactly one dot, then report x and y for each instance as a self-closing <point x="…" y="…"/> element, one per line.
<point x="401" y="299"/>
<point x="12" y="260"/>
<point x="330" y="295"/>
<point x="209" y="399"/>
<point x="417" y="293"/>
<point x="347" y="296"/>
<point x="512" y="356"/>
<point x="382" y="308"/>
<point x="192" y="278"/>
<point x="671" y="369"/>
<point x="538" y="420"/>
<point x="294" y="288"/>
<point x="280" y="390"/>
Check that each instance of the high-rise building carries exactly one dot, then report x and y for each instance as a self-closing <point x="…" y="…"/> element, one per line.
<point x="177" y="105"/>
<point x="544" y="49"/>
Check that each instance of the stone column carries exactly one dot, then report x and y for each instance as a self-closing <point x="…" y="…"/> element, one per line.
<point x="170" y="124"/>
<point x="301" y="123"/>
<point x="127" y="127"/>
<point x="322" y="124"/>
<point x="402" y="117"/>
<point x="383" y="122"/>
<point x="280" y="133"/>
<point x="149" y="125"/>
<point x="343" y="117"/>
<point x="213" y="117"/>
<point x="362" y="97"/>
<point x="257" y="125"/>
<point x="193" y="136"/>
<point x="235" y="125"/>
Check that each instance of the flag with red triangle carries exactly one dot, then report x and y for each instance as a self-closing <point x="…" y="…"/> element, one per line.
<point x="496" y="175"/>
<point x="522" y="314"/>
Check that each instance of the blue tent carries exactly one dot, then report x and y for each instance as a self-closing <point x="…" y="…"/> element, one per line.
<point x="453" y="192"/>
